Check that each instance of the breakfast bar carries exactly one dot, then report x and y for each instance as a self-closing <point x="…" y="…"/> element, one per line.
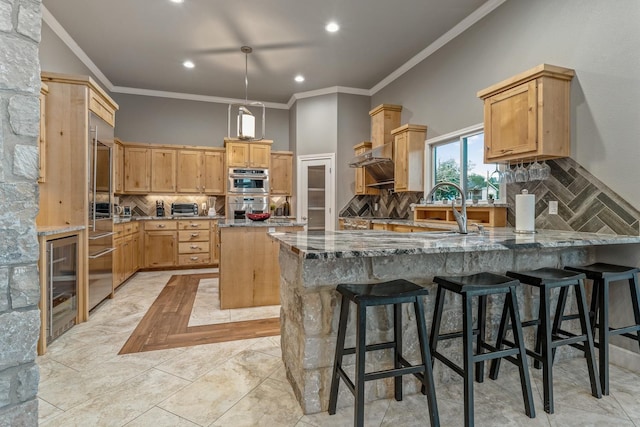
<point x="312" y="264"/>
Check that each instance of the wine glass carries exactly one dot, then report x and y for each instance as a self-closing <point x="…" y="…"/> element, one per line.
<point x="534" y="170"/>
<point x="545" y="171"/>
<point x="521" y="174"/>
<point x="507" y="175"/>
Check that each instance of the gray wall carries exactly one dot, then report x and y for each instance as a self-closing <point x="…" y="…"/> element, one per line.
<point x="184" y="122"/>
<point x="56" y="57"/>
<point x="317" y="125"/>
<point x="599" y="39"/>
<point x="354" y="126"/>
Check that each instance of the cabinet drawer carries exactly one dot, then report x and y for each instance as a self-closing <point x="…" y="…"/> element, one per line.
<point x="101" y="109"/>
<point x="193" y="225"/>
<point x="128" y="228"/>
<point x="118" y="231"/>
<point x="161" y="225"/>
<point x="193" y="247"/>
<point x="193" y="236"/>
<point x="194" y="259"/>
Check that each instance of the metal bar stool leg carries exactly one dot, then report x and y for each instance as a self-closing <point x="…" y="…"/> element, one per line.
<point x="435" y="326"/>
<point x="428" y="385"/>
<point x="482" y="317"/>
<point x="635" y="302"/>
<point x="397" y="333"/>
<point x="595" y="305"/>
<point x="360" y="363"/>
<point x="603" y="319"/>
<point x="337" y="361"/>
<point x="539" y="331"/>
<point x="502" y="330"/>
<point x="557" y="320"/>
<point x="585" y="326"/>
<point x="546" y="347"/>
<point x="467" y="345"/>
<point x="518" y="338"/>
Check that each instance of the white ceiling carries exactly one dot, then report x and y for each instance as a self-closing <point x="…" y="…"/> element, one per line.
<point x="141" y="44"/>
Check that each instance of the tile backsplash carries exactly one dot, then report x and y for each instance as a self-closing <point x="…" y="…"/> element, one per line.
<point x="584" y="203"/>
<point x="145" y="205"/>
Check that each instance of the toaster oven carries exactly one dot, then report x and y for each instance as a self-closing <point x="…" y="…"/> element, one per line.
<point x="184" y="209"/>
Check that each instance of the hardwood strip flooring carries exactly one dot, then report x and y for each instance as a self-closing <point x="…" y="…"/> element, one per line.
<point x="166" y="323"/>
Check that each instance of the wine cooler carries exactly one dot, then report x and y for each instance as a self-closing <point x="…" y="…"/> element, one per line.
<point x="62" y="286"/>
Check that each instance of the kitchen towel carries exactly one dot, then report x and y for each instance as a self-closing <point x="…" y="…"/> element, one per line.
<point x="525" y="212"/>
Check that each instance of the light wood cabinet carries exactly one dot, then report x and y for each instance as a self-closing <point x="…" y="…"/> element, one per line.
<point x="408" y="157"/>
<point x="248" y="154"/>
<point x="384" y="118"/>
<point x="160" y="248"/>
<point x="492" y="216"/>
<point x="163" y="170"/>
<point x="200" y="171"/>
<point x="215" y="242"/>
<point x="137" y="169"/>
<point x="194" y="238"/>
<point x="363" y="179"/>
<point x="102" y="106"/>
<point x="249" y="269"/>
<point x="42" y="137"/>
<point x="214" y="177"/>
<point x="281" y="179"/>
<point x="528" y="116"/>
<point x="118" y="167"/>
<point x="126" y="257"/>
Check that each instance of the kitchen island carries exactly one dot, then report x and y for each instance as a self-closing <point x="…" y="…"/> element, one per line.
<point x="312" y="264"/>
<point x="249" y="272"/>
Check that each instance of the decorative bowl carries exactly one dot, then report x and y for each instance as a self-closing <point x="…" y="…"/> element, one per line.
<point x="258" y="216"/>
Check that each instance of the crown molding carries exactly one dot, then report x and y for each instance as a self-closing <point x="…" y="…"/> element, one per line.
<point x="327" y="91"/>
<point x="55" y="26"/>
<point x="191" y="97"/>
<point x="454" y="32"/>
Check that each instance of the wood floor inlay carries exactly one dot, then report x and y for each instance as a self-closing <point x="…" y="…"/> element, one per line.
<point x="166" y="323"/>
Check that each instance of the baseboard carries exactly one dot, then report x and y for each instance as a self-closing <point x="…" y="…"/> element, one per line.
<point x="624" y="358"/>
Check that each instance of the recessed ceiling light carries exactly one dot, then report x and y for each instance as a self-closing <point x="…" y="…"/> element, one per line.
<point x="177" y="1"/>
<point x="332" y="27"/>
<point x="299" y="78"/>
<point x="188" y="64"/>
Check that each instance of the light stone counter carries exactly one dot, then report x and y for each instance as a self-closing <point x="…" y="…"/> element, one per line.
<point x="312" y="264"/>
<point x="59" y="229"/>
<point x="267" y="223"/>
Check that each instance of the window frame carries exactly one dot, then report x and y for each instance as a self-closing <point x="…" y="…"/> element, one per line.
<point x="459" y="136"/>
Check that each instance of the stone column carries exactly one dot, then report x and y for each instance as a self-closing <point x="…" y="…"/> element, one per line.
<point x="20" y="25"/>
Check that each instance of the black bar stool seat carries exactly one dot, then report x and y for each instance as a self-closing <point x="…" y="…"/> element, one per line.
<point x="602" y="275"/>
<point x="549" y="337"/>
<point x="481" y="285"/>
<point x="395" y="292"/>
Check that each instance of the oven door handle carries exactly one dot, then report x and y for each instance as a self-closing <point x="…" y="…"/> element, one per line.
<point x="101" y="253"/>
<point x="237" y="175"/>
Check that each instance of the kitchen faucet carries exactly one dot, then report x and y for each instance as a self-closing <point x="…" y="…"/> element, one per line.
<point x="461" y="217"/>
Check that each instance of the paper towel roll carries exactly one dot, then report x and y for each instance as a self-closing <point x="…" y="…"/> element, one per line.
<point x="525" y="212"/>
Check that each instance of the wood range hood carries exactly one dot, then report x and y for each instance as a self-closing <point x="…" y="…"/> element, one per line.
<point x="378" y="164"/>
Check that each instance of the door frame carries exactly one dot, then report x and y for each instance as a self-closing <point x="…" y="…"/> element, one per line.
<point x="331" y="191"/>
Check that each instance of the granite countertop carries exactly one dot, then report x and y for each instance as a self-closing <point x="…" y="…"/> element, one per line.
<point x="268" y="223"/>
<point x="370" y="243"/>
<point x="58" y="229"/>
<point x="120" y="220"/>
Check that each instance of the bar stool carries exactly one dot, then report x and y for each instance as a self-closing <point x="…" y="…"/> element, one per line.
<point x="602" y="275"/>
<point x="395" y="292"/>
<point x="549" y="337"/>
<point x="481" y="285"/>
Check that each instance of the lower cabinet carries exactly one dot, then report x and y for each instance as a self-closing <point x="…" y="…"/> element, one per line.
<point x="160" y="243"/>
<point x="126" y="258"/>
<point x="194" y="242"/>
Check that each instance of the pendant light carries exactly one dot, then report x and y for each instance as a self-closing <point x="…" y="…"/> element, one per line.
<point x="246" y="121"/>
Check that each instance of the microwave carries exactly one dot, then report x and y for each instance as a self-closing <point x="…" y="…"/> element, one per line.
<point x="248" y="181"/>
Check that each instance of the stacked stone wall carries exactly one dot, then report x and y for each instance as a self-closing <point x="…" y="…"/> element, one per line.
<point x="20" y="25"/>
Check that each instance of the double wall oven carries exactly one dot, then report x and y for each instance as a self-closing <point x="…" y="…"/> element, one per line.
<point x="248" y="192"/>
<point x="100" y="210"/>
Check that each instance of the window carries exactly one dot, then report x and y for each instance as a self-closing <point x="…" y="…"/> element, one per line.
<point x="458" y="157"/>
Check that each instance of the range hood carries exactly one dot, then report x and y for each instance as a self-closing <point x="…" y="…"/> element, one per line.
<point x="378" y="162"/>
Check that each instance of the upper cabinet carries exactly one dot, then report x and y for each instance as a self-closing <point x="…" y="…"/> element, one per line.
<point x="200" y="171"/>
<point x="163" y="170"/>
<point x="255" y="154"/>
<point x="281" y="173"/>
<point x="384" y="118"/>
<point x="409" y="157"/>
<point x="528" y="115"/>
<point x="214" y="178"/>
<point x="363" y="178"/>
<point x="118" y="166"/>
<point x="137" y="169"/>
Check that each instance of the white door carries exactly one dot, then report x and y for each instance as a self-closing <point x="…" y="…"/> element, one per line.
<point x="316" y="191"/>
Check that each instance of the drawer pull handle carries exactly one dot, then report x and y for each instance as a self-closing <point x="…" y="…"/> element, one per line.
<point x="194" y="225"/>
<point x="161" y="226"/>
<point x="194" y="258"/>
<point x="195" y="247"/>
<point x="195" y="234"/>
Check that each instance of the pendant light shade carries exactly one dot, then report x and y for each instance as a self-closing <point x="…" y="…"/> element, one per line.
<point x="246" y="120"/>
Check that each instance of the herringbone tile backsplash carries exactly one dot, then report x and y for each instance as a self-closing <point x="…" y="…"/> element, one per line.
<point x="145" y="205"/>
<point x="584" y="203"/>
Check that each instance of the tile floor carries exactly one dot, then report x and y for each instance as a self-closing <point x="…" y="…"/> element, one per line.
<point x="84" y="382"/>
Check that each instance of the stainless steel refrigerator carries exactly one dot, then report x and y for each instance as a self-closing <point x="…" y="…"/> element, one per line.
<point x="100" y="210"/>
